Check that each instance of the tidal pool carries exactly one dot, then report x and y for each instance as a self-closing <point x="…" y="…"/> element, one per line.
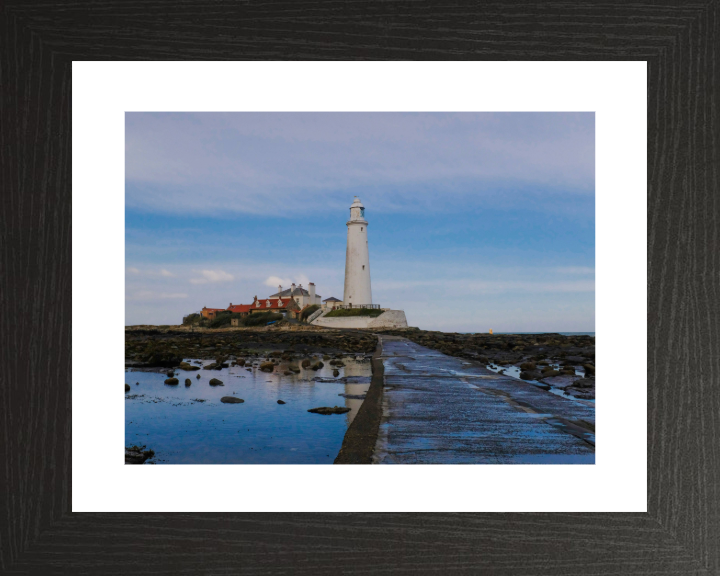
<point x="189" y="425"/>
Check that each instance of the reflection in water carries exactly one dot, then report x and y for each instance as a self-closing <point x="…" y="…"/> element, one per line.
<point x="189" y="425"/>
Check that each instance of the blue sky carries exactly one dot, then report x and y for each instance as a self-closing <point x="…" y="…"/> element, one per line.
<point x="476" y="220"/>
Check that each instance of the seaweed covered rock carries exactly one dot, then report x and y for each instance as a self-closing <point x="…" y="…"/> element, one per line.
<point x="216" y="382"/>
<point x="231" y="400"/>
<point x="326" y="410"/>
<point x="127" y="387"/>
<point x="267" y="367"/>
<point x="188" y="382"/>
<point x="137" y="454"/>
<point x="172" y="381"/>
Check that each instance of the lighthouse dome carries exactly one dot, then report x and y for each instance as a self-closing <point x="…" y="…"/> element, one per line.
<point x="357" y="204"/>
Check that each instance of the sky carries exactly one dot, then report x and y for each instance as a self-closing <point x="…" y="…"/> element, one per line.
<point x="476" y="221"/>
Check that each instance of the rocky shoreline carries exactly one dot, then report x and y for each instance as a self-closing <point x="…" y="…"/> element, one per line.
<point x="153" y="348"/>
<point x="552" y="360"/>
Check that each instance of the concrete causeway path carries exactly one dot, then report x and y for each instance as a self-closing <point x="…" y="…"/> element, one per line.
<point x="439" y="409"/>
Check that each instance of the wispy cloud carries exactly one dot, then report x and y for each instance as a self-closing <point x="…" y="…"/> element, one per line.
<point x="240" y="162"/>
<point x="166" y="273"/>
<point x="133" y="270"/>
<point x="578" y="270"/>
<point x="275" y="281"/>
<point x="207" y="276"/>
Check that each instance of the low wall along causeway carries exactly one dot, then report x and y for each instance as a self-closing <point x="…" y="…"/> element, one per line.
<point x="388" y="319"/>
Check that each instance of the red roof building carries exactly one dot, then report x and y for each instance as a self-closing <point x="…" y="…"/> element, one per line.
<point x="210" y="312"/>
<point x="243" y="309"/>
<point x="273" y="305"/>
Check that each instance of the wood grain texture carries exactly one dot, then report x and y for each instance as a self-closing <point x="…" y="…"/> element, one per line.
<point x="681" y="531"/>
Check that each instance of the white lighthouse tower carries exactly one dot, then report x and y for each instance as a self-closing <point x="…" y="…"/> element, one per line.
<point x="357" y="259"/>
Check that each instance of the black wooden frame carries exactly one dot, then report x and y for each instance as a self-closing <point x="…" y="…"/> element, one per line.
<point x="681" y="531"/>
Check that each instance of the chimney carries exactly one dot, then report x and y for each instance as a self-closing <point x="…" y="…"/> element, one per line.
<point x="311" y="289"/>
<point x="292" y="289"/>
<point x="279" y="290"/>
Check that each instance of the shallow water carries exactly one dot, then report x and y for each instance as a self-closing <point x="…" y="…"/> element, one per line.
<point x="189" y="425"/>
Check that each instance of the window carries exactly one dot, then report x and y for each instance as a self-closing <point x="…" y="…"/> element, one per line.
<point x="361" y="228"/>
<point x="363" y="267"/>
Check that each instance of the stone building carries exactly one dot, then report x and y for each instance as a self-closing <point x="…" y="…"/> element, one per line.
<point x="330" y="303"/>
<point x="210" y="313"/>
<point x="299" y="294"/>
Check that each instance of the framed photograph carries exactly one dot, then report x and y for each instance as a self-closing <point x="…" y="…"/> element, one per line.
<point x="410" y="270"/>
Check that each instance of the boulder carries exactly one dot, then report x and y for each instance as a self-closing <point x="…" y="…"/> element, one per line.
<point x="188" y="367"/>
<point x="198" y="376"/>
<point x="216" y="382"/>
<point x="306" y="363"/>
<point x="326" y="410"/>
<point x="127" y="387"/>
<point x="170" y="373"/>
<point x="231" y="400"/>
<point x="172" y="381"/>
<point x="336" y="373"/>
<point x="136" y="454"/>
<point x="280" y="402"/>
<point x="188" y="381"/>
<point x="267" y="367"/>
<point x="530" y="375"/>
<point x="317" y="365"/>
<point x="527" y="366"/>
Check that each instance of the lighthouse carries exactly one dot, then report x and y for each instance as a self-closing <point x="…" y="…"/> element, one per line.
<point x="357" y="259"/>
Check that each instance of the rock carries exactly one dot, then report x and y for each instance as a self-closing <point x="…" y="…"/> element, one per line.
<point x="240" y="361"/>
<point x="584" y="383"/>
<point x="127" y="387"/>
<point x="170" y="374"/>
<point x="589" y="369"/>
<point x="326" y="410"/>
<point x="212" y="366"/>
<point x="337" y="363"/>
<point x="336" y="373"/>
<point x="198" y="376"/>
<point x="528" y="366"/>
<point x="267" y="367"/>
<point x="530" y="375"/>
<point x="231" y="400"/>
<point x="306" y="363"/>
<point x="294" y="369"/>
<point x="216" y="382"/>
<point x="281" y="402"/>
<point x="317" y="365"/>
<point x="136" y="454"/>
<point x="353" y="396"/>
<point x="188" y="381"/>
<point x="550" y="373"/>
<point x="287" y="373"/>
<point x="188" y="367"/>
<point x="172" y="381"/>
